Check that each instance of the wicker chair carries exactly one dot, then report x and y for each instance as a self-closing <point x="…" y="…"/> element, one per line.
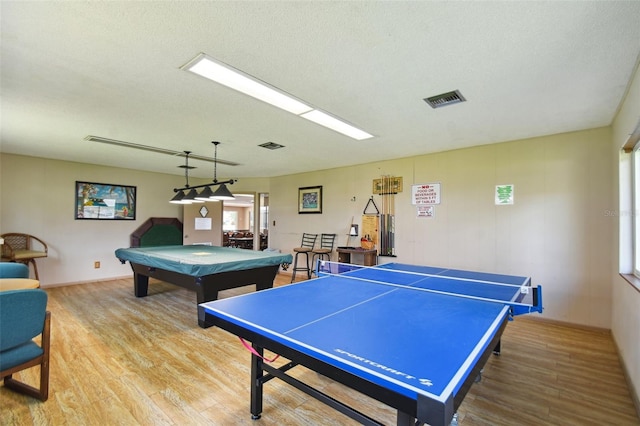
<point x="23" y="248"/>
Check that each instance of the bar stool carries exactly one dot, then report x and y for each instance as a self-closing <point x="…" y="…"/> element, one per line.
<point x="325" y="249"/>
<point x="308" y="241"/>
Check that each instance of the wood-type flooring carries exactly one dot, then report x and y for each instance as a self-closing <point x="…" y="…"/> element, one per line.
<point x="118" y="359"/>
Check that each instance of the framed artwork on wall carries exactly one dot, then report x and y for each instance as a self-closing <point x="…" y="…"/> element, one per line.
<point x="102" y="201"/>
<point x="310" y="199"/>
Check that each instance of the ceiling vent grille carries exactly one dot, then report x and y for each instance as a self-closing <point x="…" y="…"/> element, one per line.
<point x="445" y="99"/>
<point x="271" y="145"/>
<point x="148" y="148"/>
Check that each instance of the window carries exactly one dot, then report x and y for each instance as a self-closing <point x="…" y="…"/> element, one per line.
<point x="230" y="220"/>
<point x="635" y="207"/>
<point x="628" y="213"/>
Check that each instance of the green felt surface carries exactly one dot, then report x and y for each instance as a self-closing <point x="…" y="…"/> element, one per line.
<point x="199" y="260"/>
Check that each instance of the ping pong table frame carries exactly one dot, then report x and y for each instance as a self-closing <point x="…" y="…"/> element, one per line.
<point x="424" y="409"/>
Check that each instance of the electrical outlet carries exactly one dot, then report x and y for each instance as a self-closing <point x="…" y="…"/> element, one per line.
<point x="96" y="265"/>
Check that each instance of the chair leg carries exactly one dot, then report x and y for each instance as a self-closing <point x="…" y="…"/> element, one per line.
<point x="42" y="393"/>
<point x="35" y="268"/>
<point x="308" y="268"/>
<point x="44" y="367"/>
<point x="297" y="268"/>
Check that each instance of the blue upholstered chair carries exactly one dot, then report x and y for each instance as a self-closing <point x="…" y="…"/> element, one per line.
<point x="15" y="276"/>
<point x="13" y="270"/>
<point x="24" y="316"/>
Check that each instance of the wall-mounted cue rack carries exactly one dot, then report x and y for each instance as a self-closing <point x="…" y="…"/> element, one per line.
<point x="387" y="187"/>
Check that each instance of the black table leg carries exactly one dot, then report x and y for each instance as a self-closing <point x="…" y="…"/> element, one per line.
<point x="140" y="284"/>
<point x="256" y="383"/>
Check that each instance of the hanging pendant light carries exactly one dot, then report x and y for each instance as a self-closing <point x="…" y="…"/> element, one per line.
<point x="181" y="197"/>
<point x="192" y="196"/>
<point x="222" y="193"/>
<point x="205" y="194"/>
<point x="177" y="199"/>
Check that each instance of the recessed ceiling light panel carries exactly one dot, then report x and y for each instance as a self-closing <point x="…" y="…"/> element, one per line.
<point x="235" y="79"/>
<point x="333" y="123"/>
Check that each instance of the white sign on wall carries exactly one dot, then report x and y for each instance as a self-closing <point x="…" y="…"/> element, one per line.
<point x="504" y="195"/>
<point x="426" y="211"/>
<point x="203" y="223"/>
<point x="428" y="193"/>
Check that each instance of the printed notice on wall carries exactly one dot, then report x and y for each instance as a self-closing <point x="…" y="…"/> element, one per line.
<point x="203" y="224"/>
<point x="425" y="211"/>
<point x="504" y="195"/>
<point x="428" y="193"/>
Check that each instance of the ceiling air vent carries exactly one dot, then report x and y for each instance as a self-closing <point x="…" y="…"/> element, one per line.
<point x="445" y="99"/>
<point x="271" y="145"/>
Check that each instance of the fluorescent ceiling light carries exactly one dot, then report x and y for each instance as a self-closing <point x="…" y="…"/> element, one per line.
<point x="237" y="80"/>
<point x="333" y="123"/>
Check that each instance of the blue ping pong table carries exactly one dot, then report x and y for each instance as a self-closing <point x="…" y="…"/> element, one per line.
<point x="413" y="337"/>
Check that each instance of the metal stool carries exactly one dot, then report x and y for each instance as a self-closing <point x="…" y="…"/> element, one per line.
<point x="308" y="241"/>
<point x="325" y="249"/>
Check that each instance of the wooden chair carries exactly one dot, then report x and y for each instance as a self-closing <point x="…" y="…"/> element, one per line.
<point x="325" y="249"/>
<point x="23" y="248"/>
<point x="23" y="316"/>
<point x="308" y="241"/>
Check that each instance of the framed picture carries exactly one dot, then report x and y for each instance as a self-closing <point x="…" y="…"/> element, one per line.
<point x="103" y="201"/>
<point x="310" y="199"/>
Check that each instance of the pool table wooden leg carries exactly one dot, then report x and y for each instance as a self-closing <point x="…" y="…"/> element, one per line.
<point x="205" y="293"/>
<point x="140" y="284"/>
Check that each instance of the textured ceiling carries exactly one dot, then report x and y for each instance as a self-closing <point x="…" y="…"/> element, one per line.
<point x="112" y="69"/>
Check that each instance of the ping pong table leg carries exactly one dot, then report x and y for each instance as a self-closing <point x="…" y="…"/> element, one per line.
<point x="256" y="383"/>
<point x="404" y="419"/>
<point x="496" y="350"/>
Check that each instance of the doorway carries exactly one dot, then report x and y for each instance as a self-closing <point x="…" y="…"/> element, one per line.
<point x="239" y="225"/>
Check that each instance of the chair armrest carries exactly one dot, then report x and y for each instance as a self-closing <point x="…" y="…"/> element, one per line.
<point x="42" y="243"/>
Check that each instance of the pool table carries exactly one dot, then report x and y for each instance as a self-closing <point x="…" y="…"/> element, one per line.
<point x="204" y="269"/>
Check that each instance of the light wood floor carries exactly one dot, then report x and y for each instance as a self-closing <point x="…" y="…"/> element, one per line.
<point x="117" y="359"/>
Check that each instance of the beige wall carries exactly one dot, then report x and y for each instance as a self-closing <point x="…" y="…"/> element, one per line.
<point x="625" y="299"/>
<point x="38" y="198"/>
<point x="557" y="231"/>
